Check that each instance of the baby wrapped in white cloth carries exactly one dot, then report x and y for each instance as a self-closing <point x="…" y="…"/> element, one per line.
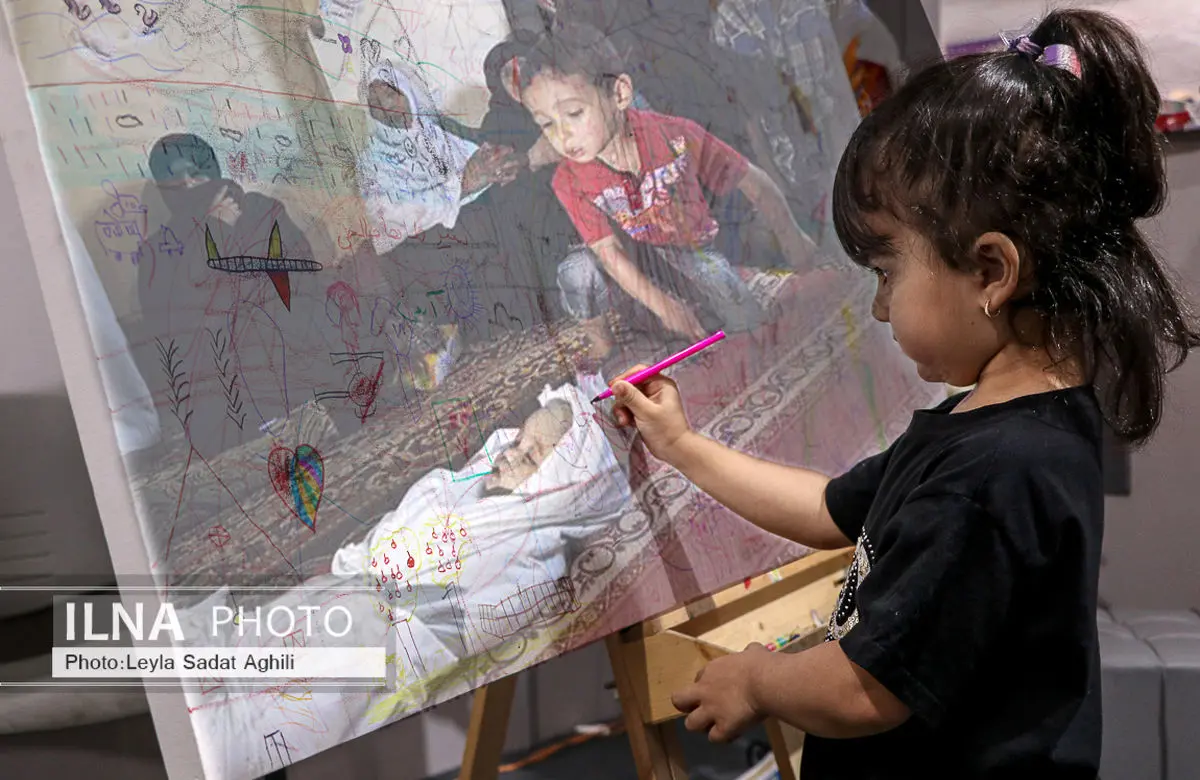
<point x="477" y="555"/>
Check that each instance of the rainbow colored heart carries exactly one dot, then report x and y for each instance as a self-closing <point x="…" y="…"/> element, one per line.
<point x="299" y="480"/>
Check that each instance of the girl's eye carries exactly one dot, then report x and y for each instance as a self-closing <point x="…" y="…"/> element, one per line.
<point x="576" y="113"/>
<point x="880" y="274"/>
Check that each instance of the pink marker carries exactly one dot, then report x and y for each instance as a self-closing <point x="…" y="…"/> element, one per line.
<point x="646" y="373"/>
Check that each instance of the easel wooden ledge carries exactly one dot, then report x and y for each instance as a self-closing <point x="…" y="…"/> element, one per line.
<point x="654" y="659"/>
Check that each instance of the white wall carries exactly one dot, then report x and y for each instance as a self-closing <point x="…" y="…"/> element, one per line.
<point x="29" y="363"/>
<point x="1153" y="535"/>
<point x="48" y="519"/>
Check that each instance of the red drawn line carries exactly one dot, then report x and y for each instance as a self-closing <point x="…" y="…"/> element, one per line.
<point x="248" y="517"/>
<point x="179" y="507"/>
<point x="178" y="503"/>
<point x="170" y="536"/>
<point x="265" y="692"/>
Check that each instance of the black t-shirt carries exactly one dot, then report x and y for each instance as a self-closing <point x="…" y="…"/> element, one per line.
<point x="972" y="596"/>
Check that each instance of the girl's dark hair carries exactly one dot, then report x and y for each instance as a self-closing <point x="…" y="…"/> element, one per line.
<point x="573" y="49"/>
<point x="1062" y="165"/>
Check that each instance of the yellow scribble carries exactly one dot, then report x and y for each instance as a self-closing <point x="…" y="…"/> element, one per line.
<point x="851" y="330"/>
<point x="472" y="671"/>
<point x="304" y="696"/>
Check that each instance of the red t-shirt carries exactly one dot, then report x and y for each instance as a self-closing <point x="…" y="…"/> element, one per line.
<point x="664" y="204"/>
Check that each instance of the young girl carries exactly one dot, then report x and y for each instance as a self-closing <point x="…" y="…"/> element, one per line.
<point x="996" y="199"/>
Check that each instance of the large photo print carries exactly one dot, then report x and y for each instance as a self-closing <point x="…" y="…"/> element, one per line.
<point x="354" y="273"/>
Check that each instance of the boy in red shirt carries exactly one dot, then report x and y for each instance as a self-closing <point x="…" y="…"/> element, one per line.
<point x="644" y="172"/>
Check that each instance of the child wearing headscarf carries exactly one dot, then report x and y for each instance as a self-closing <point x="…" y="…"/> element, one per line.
<point x="413" y="173"/>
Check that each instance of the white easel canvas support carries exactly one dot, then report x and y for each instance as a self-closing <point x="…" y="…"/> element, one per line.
<point x="85" y="389"/>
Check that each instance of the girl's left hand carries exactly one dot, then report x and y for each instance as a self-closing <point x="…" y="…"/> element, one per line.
<point x="721" y="701"/>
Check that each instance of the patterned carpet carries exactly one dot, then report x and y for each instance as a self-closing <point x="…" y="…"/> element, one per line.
<point x="366" y="471"/>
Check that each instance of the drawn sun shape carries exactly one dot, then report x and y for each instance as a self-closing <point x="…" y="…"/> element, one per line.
<point x="461" y="299"/>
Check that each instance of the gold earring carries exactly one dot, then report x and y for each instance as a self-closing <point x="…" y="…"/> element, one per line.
<point x="987" y="308"/>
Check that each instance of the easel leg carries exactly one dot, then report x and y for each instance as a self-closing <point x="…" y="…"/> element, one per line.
<point x="489" y="726"/>
<point x="656" y="750"/>
<point x="781" y="748"/>
<point x="668" y="737"/>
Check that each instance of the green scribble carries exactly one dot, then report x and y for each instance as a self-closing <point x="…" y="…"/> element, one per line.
<point x="275" y="246"/>
<point x="268" y="35"/>
<point x="213" y="253"/>
<point x="446" y="442"/>
<point x="472" y="670"/>
<point x="868" y="380"/>
<point x="806" y="430"/>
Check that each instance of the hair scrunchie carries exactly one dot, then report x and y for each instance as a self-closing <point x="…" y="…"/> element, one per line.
<point x="1056" y="55"/>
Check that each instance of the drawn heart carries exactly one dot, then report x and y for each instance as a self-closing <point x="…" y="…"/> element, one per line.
<point x="299" y="479"/>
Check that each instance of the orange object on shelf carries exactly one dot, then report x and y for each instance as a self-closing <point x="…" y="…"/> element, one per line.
<point x="868" y="80"/>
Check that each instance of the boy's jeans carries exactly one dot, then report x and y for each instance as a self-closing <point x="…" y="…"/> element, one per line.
<point x="701" y="277"/>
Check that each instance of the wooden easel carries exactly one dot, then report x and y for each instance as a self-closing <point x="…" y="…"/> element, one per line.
<point x="654" y="659"/>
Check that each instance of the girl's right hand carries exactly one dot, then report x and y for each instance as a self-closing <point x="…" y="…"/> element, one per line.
<point x="654" y="408"/>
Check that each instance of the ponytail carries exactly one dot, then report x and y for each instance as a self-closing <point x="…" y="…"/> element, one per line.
<point x="1133" y="322"/>
<point x="1119" y="102"/>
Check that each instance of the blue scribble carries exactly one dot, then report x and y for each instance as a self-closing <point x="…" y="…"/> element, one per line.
<point x="111" y="60"/>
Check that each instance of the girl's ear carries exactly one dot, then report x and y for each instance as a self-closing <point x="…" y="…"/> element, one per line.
<point x="623" y="91"/>
<point x="999" y="264"/>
